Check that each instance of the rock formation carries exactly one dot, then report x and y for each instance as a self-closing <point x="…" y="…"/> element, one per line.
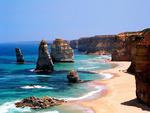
<point x="74" y="44"/>
<point x="19" y="56"/>
<point x="44" y="62"/>
<point x="38" y="103"/>
<point x="136" y="40"/>
<point x="142" y="68"/>
<point x="98" y="45"/>
<point x="73" y="77"/>
<point x="61" y="51"/>
<point x="123" y="46"/>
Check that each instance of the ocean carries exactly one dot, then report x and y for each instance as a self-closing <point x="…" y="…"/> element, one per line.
<point x="15" y="79"/>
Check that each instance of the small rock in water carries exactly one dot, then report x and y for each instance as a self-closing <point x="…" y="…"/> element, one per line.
<point x="19" y="56"/>
<point x="37" y="103"/>
<point x="73" y="77"/>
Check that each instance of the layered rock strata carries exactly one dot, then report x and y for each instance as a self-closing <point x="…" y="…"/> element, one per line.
<point x="44" y="62"/>
<point x="142" y="70"/>
<point x="137" y="39"/>
<point x="98" y="45"/>
<point x="61" y="51"/>
<point x="19" y="56"/>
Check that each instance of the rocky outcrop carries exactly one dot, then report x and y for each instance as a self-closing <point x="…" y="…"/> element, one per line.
<point x="73" y="77"/>
<point x="124" y="45"/>
<point x="99" y="44"/>
<point x="61" y="51"/>
<point x="137" y="39"/>
<point x="19" y="56"/>
<point x="142" y="69"/>
<point x="44" y="62"/>
<point x="39" y="103"/>
<point x="74" y="44"/>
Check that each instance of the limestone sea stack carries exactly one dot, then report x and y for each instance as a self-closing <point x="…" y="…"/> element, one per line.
<point x="73" y="77"/>
<point x="61" y="51"/>
<point x="44" y="62"/>
<point x="39" y="103"/>
<point x="19" y="56"/>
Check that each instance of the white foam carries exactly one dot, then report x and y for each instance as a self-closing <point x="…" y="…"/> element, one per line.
<point x="106" y="76"/>
<point x="86" y="68"/>
<point x="31" y="70"/>
<point x="9" y="107"/>
<point x="98" y="89"/>
<point x="49" y="112"/>
<point x="36" y="87"/>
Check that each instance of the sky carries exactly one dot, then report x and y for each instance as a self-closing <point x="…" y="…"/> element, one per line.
<point x="34" y="20"/>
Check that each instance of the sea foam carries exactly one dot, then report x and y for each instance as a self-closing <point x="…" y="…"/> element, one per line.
<point x="90" y="94"/>
<point x="36" y="87"/>
<point x="9" y="107"/>
<point x="106" y="75"/>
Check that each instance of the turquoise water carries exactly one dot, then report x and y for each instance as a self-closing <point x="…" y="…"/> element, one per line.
<point x="15" y="79"/>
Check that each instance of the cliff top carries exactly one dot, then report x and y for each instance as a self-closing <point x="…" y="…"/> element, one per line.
<point x="145" y="41"/>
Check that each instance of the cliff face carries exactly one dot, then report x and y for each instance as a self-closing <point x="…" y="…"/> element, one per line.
<point x="138" y="39"/>
<point x="61" y="51"/>
<point x="44" y="62"/>
<point x="74" y="44"/>
<point x="124" y="45"/>
<point x="120" y="46"/>
<point x="100" y="44"/>
<point x="142" y="69"/>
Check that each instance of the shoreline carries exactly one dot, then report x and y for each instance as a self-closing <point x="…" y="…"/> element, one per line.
<point x="119" y="96"/>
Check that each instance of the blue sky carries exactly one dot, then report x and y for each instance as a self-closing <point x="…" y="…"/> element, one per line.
<point x="33" y="20"/>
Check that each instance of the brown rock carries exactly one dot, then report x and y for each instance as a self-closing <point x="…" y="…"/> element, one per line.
<point x="36" y="103"/>
<point x="61" y="51"/>
<point x="97" y="45"/>
<point x="73" y="77"/>
<point x="142" y="70"/>
<point x="44" y="62"/>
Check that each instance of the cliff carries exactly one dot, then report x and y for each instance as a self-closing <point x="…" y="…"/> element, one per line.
<point x="99" y="44"/>
<point x="138" y="39"/>
<point x="61" y="51"/>
<point x="124" y="45"/>
<point x="142" y="69"/>
<point x="44" y="62"/>
<point x="74" y="44"/>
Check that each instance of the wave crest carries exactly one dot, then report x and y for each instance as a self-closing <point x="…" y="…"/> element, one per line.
<point x="36" y="87"/>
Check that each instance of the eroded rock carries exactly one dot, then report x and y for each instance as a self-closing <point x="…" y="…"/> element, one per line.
<point x="44" y="62"/>
<point x="61" y="51"/>
<point x="37" y="103"/>
<point x="19" y="56"/>
<point x="73" y="77"/>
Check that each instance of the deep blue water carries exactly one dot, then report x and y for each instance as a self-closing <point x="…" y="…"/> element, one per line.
<point x="15" y="79"/>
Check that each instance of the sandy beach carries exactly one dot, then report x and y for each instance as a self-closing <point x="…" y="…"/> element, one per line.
<point x="120" y="96"/>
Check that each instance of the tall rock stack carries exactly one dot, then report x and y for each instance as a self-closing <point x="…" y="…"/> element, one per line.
<point x="19" y="56"/>
<point x="142" y="68"/>
<point x="61" y="51"/>
<point x="44" y="62"/>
